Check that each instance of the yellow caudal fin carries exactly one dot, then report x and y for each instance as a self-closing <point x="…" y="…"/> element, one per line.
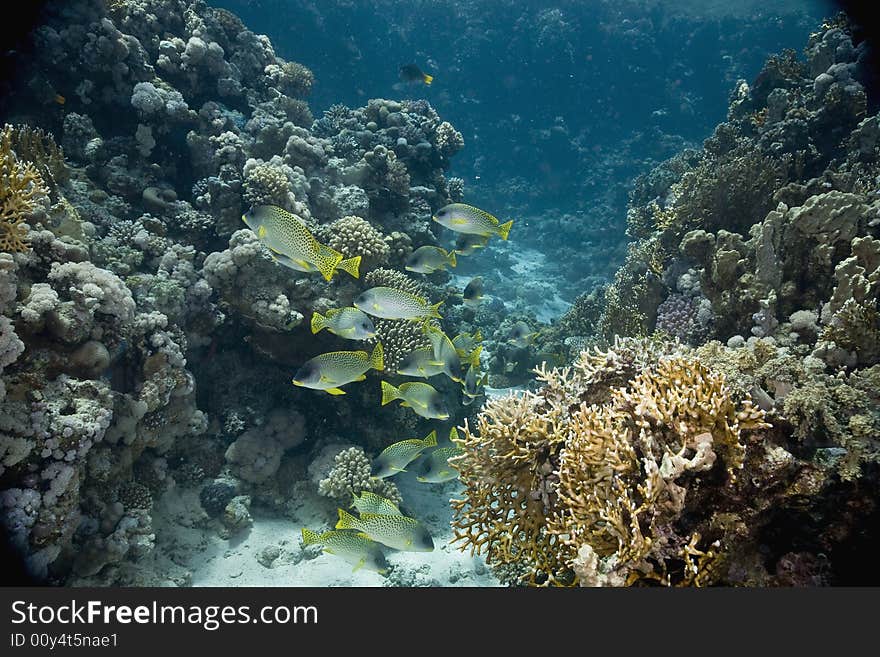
<point x="453" y="435"/>
<point x="318" y="322"/>
<point x="350" y="266"/>
<point x="474" y="357"/>
<point x="310" y="537"/>
<point x="431" y="439"/>
<point x="435" y="310"/>
<point x="326" y="260"/>
<point x="478" y="336"/>
<point x="451" y="256"/>
<point x="427" y="78"/>
<point x="334" y="391"/>
<point x="346" y="520"/>
<point x="389" y="393"/>
<point x="504" y="229"/>
<point x="377" y="358"/>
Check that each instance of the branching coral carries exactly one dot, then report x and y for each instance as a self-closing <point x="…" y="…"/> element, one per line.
<point x="22" y="188"/>
<point x="587" y="480"/>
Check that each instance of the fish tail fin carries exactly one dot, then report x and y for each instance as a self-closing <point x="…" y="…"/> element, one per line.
<point x="504" y="229"/>
<point x="427" y="78"/>
<point x="435" y="310"/>
<point x="474" y="357"/>
<point x="377" y="358"/>
<point x="451" y="256"/>
<point x="389" y="393"/>
<point x="346" y="520"/>
<point x="350" y="266"/>
<point x="453" y="435"/>
<point x="327" y="266"/>
<point x="431" y="439"/>
<point x="318" y="322"/>
<point x="309" y="537"/>
<point x="478" y="336"/>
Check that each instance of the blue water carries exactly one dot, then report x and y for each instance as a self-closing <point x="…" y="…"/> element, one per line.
<point x="151" y="430"/>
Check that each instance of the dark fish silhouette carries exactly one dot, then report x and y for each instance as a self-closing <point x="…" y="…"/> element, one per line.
<point x="412" y="73"/>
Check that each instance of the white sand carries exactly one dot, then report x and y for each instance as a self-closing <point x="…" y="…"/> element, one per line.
<point x="190" y="551"/>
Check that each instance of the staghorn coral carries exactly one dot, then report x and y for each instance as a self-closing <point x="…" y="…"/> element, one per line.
<point x="585" y="481"/>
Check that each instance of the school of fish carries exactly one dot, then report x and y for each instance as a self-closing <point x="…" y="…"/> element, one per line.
<point x="379" y="523"/>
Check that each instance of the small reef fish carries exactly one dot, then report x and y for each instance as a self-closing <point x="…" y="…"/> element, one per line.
<point x="467" y="244"/>
<point x="350" y="265"/>
<point x="436" y="468"/>
<point x="428" y="259"/>
<point x="444" y="352"/>
<point x="369" y="502"/>
<point x="421" y="397"/>
<point x="284" y="233"/>
<point x="396" y="457"/>
<point x="421" y="362"/>
<point x="349" y="323"/>
<point x="412" y="73"/>
<point x="473" y="292"/>
<point x="463" y="218"/>
<point x="330" y="371"/>
<point x="522" y="336"/>
<point x="398" y="532"/>
<point x="390" y="303"/>
<point x="465" y="343"/>
<point x="472" y="383"/>
<point x="353" y="547"/>
<point x="60" y="99"/>
<point x="472" y="358"/>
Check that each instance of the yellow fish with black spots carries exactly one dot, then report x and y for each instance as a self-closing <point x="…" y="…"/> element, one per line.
<point x="396" y="457"/>
<point x="348" y="323"/>
<point x="391" y="303"/>
<point x="398" y="532"/>
<point x="422" y="398"/>
<point x="286" y="234"/>
<point x="444" y="352"/>
<point x="463" y="218"/>
<point x="353" y="547"/>
<point x="421" y="362"/>
<point x="368" y="502"/>
<point x="428" y="259"/>
<point x="349" y="265"/>
<point x="330" y="371"/>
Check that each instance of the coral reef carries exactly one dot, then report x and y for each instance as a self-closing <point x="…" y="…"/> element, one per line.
<point x="147" y="339"/>
<point x="351" y="475"/>
<point x="639" y="464"/>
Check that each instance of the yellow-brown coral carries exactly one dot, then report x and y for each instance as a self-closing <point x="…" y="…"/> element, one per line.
<point x="21" y="188"/>
<point x="584" y="480"/>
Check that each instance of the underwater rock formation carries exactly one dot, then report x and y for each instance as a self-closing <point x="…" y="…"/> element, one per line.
<point x="128" y="279"/>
